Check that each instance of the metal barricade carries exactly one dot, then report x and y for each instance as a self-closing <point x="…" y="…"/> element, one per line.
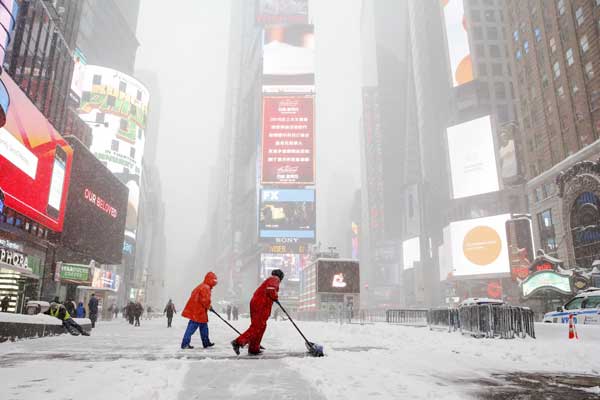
<point x="443" y="318"/>
<point x="495" y="321"/>
<point x="410" y="317"/>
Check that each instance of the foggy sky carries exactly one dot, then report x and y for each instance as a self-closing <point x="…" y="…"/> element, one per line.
<point x="190" y="59"/>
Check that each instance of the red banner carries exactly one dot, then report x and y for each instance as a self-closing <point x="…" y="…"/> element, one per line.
<point x="288" y="140"/>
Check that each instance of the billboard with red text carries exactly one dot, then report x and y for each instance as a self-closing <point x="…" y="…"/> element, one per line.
<point x="288" y="140"/>
<point x="96" y="208"/>
<point x="35" y="162"/>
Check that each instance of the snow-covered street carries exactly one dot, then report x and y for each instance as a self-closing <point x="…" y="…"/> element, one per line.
<point x="381" y="361"/>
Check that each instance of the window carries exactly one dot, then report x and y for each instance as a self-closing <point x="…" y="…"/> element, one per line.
<point x="579" y="16"/>
<point x="544" y="81"/>
<point x="569" y="57"/>
<point x="592" y="302"/>
<point x="561" y="6"/>
<point x="114" y="146"/>
<point x="574" y="304"/>
<point x="575" y="89"/>
<point x="478" y="33"/>
<point x="140" y="133"/>
<point x="519" y="55"/>
<point x="482" y="68"/>
<point x="97" y="80"/>
<point x="100" y="117"/>
<point x="490" y="16"/>
<point x="500" y="90"/>
<point x="132" y="152"/>
<point x="86" y="96"/>
<point x="480" y="50"/>
<point x="516" y="35"/>
<point x="124" y="124"/>
<point x="122" y="86"/>
<point x="483" y="91"/>
<point x="584" y="43"/>
<point x="560" y="91"/>
<point x="546" y="227"/>
<point x="133" y="110"/>
<point x="110" y="101"/>
<point x="556" y="68"/>
<point x="139" y="95"/>
<point x="497" y="69"/>
<point x="526" y="46"/>
<point x="538" y="34"/>
<point x="495" y="51"/>
<point x="589" y="70"/>
<point x="492" y="33"/>
<point x="502" y="113"/>
<point x="552" y="45"/>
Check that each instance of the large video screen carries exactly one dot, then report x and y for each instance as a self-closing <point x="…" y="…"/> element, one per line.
<point x="472" y="158"/>
<point x="479" y="246"/>
<point x="289" y="55"/>
<point x="96" y="208"/>
<point x="287" y="213"/>
<point x="35" y="162"/>
<point x="411" y="252"/>
<point x="338" y="277"/>
<point x="290" y="264"/>
<point x="458" y="42"/>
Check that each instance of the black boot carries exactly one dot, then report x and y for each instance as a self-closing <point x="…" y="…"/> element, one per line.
<point x="236" y="347"/>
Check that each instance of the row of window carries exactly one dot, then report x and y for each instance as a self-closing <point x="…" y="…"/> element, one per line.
<point x="114" y="146"/>
<point x="97" y="80"/>
<point x="13" y="218"/>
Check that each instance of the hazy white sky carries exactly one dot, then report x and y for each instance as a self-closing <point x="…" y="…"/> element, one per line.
<point x="190" y="59"/>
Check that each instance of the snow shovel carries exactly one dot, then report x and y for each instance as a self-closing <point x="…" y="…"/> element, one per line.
<point x="231" y="326"/>
<point x="314" y="349"/>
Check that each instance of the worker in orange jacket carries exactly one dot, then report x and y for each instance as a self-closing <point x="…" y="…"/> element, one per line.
<point x="196" y="310"/>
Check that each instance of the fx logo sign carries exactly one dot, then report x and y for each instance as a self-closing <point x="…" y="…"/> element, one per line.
<point x="270" y="195"/>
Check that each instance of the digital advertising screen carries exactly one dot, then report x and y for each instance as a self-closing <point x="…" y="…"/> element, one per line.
<point x="96" y="208"/>
<point x="35" y="162"/>
<point x="472" y="158"/>
<point x="289" y="55"/>
<point x="338" y="276"/>
<point x="411" y="252"/>
<point x="282" y="12"/>
<point x="287" y="213"/>
<point x="458" y="42"/>
<point x="288" y="141"/>
<point x="290" y="264"/>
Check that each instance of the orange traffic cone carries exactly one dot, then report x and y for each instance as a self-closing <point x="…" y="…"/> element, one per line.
<point x="572" y="329"/>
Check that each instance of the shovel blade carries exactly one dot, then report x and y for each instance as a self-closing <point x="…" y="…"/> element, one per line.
<point x="314" y="349"/>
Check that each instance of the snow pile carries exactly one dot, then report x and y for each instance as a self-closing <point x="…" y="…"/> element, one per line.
<point x="29" y="319"/>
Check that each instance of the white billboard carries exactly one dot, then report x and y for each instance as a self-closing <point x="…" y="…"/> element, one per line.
<point x="411" y="252"/>
<point x="119" y="105"/>
<point x="458" y="42"/>
<point x="475" y="247"/>
<point x="472" y="158"/>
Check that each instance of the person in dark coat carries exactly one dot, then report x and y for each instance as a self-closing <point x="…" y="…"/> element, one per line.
<point x="138" y="310"/>
<point x="169" y="310"/>
<point x="59" y="311"/>
<point x="260" y="311"/>
<point x="228" y="312"/>
<point x="80" y="312"/>
<point x="93" y="308"/>
<point x="70" y="306"/>
<point x="235" y="311"/>
<point x="130" y="311"/>
<point x="5" y="303"/>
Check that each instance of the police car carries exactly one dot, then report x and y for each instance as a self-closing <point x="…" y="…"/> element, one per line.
<point x="585" y="308"/>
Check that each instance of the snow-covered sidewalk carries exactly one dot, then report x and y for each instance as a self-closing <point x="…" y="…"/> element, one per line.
<point x="120" y="361"/>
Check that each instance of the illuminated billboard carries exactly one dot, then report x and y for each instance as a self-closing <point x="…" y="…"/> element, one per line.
<point x="458" y="42"/>
<point x="289" y="55"/>
<point x="8" y="17"/>
<point x="79" y="64"/>
<point x="35" y="162"/>
<point x="96" y="208"/>
<point x="478" y="247"/>
<point x="472" y="158"/>
<point x="290" y="264"/>
<point x="411" y="252"/>
<point x="119" y="105"/>
<point x="338" y="276"/>
<point x="287" y="213"/>
<point x="280" y="12"/>
<point x="288" y="140"/>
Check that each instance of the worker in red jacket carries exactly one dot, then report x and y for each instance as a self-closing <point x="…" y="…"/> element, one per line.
<point x="196" y="310"/>
<point x="260" y="310"/>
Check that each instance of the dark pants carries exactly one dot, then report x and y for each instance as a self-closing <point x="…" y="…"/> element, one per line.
<point x="169" y="321"/>
<point x="72" y="327"/>
<point x="137" y="320"/>
<point x="93" y="318"/>
<point x="191" y="329"/>
<point x="130" y="318"/>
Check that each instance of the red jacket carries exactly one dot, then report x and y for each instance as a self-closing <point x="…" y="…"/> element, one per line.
<point x="198" y="304"/>
<point x="263" y="298"/>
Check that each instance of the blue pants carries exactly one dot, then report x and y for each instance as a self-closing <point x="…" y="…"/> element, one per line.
<point x="191" y="329"/>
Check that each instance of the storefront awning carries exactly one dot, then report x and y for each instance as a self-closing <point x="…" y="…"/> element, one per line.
<point x="26" y="272"/>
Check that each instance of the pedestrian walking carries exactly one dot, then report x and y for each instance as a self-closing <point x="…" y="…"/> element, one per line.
<point x="196" y="310"/>
<point x="170" y="310"/>
<point x="138" y="310"/>
<point x="149" y="312"/>
<point x="228" y="312"/>
<point x="130" y="310"/>
<point x="235" y="312"/>
<point x="93" y="309"/>
<point x="116" y="310"/>
<point x="80" y="312"/>
<point x="260" y="310"/>
<point x="5" y="303"/>
<point x="59" y="311"/>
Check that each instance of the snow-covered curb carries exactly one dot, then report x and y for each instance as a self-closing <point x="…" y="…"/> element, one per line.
<point x="21" y="326"/>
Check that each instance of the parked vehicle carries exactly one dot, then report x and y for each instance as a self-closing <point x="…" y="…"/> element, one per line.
<point x="585" y="308"/>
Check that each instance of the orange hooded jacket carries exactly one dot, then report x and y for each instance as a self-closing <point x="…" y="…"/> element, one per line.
<point x="198" y="304"/>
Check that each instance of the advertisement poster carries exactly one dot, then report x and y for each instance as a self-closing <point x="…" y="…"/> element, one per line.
<point x="288" y="140"/>
<point x="282" y="12"/>
<point x="35" y="162"/>
<point x="290" y="264"/>
<point x="289" y="56"/>
<point x="105" y="280"/>
<point x="287" y="213"/>
<point x="338" y="277"/>
<point x="458" y="42"/>
<point x="472" y="158"/>
<point x="96" y="208"/>
<point x="119" y="103"/>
